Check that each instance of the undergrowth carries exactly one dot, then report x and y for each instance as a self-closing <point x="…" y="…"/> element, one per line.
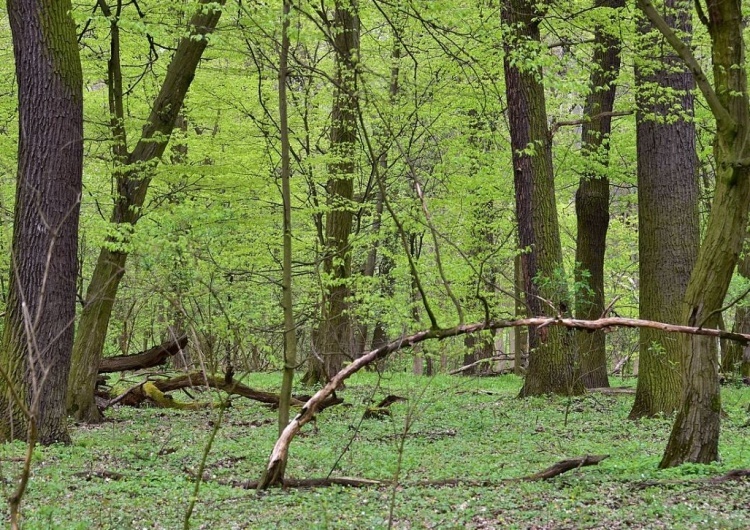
<point x="136" y="471"/>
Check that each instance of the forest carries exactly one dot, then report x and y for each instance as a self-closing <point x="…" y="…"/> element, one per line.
<point x="374" y="264"/>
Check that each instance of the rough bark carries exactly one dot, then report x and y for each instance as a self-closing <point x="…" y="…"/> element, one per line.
<point x="668" y="226"/>
<point x="695" y="434"/>
<point x="335" y="337"/>
<point x="592" y="200"/>
<point x="552" y="359"/>
<point x="133" y="175"/>
<point x="156" y="356"/>
<point x="38" y="333"/>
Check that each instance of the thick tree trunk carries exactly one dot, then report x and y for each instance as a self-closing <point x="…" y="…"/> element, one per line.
<point x="592" y="200"/>
<point x="668" y="235"/>
<point x="695" y="434"/>
<point x="38" y="334"/>
<point x="552" y="359"/>
<point x="133" y="179"/>
<point x="335" y="337"/>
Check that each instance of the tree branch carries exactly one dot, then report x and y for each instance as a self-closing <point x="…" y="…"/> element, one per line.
<point x="280" y="452"/>
<point x="724" y="120"/>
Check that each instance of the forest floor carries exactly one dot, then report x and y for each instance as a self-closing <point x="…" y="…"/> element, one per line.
<point x="136" y="471"/>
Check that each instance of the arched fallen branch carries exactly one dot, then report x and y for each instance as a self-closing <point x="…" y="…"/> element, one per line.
<point x="273" y="474"/>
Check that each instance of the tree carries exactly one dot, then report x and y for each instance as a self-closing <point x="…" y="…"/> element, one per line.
<point x="334" y="339"/>
<point x="695" y="433"/>
<point x="668" y="234"/>
<point x="290" y="335"/>
<point x="38" y="334"/>
<point x="133" y="172"/>
<point x="552" y="366"/>
<point x="592" y="199"/>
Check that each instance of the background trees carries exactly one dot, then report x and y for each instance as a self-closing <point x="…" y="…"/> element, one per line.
<point x="427" y="142"/>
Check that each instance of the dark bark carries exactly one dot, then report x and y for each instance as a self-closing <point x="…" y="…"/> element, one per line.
<point x="552" y="362"/>
<point x="133" y="175"/>
<point x="335" y="337"/>
<point x="156" y="356"/>
<point x="668" y="234"/>
<point x="38" y="334"/>
<point x="695" y="434"/>
<point x="592" y="200"/>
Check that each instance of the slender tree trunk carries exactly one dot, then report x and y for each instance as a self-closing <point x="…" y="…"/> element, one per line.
<point x="668" y="234"/>
<point x="335" y="337"/>
<point x="290" y="335"/>
<point x="38" y="333"/>
<point x="695" y="433"/>
<point x="592" y="200"/>
<point x="552" y="359"/>
<point x="133" y="178"/>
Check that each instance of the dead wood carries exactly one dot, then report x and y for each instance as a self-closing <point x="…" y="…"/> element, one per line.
<point x="277" y="462"/>
<point x="734" y="474"/>
<point x="137" y="394"/>
<point x="382" y="409"/>
<point x="156" y="356"/>
<point x="563" y="466"/>
<point x="612" y="391"/>
<point x="557" y="469"/>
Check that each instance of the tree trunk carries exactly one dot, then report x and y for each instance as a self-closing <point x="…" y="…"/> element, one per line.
<point x="552" y="363"/>
<point x="38" y="334"/>
<point x="133" y="175"/>
<point x="668" y="234"/>
<point x="592" y="201"/>
<point x="290" y="332"/>
<point x="734" y="358"/>
<point x="695" y="434"/>
<point x="335" y="337"/>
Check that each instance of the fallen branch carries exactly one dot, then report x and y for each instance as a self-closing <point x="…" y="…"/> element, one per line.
<point x="734" y="474"/>
<point x="563" y="466"/>
<point x="156" y="356"/>
<point x="137" y="394"/>
<point x="557" y="469"/>
<point x="277" y="462"/>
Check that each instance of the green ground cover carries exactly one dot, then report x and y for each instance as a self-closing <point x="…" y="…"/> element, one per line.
<point x="135" y="470"/>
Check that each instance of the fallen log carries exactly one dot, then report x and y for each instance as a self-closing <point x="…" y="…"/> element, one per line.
<point x="563" y="466"/>
<point x="137" y="394"/>
<point x="155" y="356"/>
<point x="274" y="471"/>
<point x="559" y="468"/>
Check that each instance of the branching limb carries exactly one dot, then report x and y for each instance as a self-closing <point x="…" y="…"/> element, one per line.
<point x="724" y="120"/>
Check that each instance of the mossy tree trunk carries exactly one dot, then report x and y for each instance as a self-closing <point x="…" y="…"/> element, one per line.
<point x="335" y="339"/>
<point x="133" y="171"/>
<point x="592" y="200"/>
<point x="552" y="359"/>
<point x="695" y="433"/>
<point x="668" y="226"/>
<point x="38" y="334"/>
